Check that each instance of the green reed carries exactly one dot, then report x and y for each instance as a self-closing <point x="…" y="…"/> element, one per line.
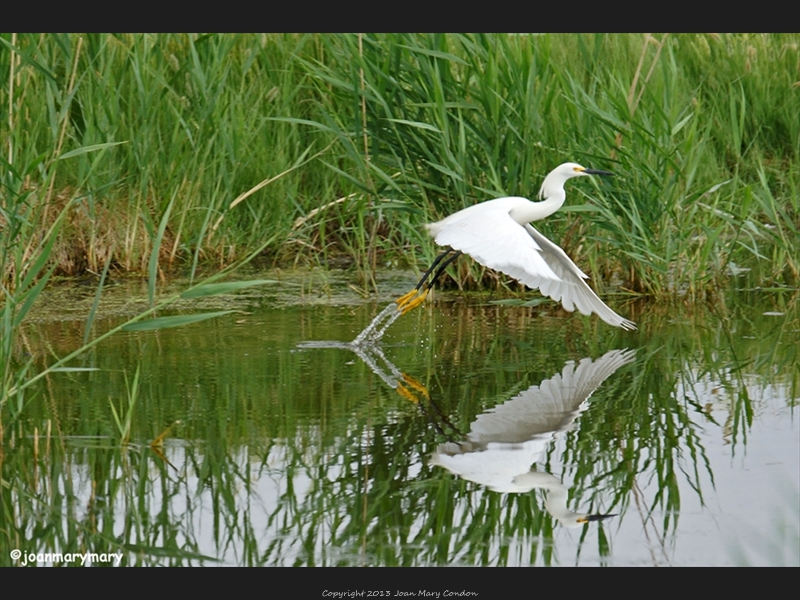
<point x="336" y="148"/>
<point x="447" y="121"/>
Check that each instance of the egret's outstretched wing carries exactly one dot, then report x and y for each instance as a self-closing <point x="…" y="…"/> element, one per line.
<point x="487" y="233"/>
<point x="571" y="288"/>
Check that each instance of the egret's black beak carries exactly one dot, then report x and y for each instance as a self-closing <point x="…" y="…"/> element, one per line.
<point x="589" y="518"/>
<point x="596" y="172"/>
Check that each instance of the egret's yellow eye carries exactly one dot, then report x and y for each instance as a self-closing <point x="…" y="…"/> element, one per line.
<point x="578" y="169"/>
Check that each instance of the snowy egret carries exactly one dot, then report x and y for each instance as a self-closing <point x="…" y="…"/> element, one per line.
<point x="497" y="233"/>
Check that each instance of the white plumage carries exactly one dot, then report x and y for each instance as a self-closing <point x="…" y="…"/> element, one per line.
<point x="498" y="235"/>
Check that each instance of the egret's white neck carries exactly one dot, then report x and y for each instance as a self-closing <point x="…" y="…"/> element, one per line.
<point x="535" y="211"/>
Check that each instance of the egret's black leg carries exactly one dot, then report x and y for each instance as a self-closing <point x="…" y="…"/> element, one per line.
<point x="445" y="264"/>
<point x="432" y="267"/>
<point x="415" y="297"/>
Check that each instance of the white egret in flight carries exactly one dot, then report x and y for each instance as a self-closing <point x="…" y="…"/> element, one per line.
<point x="497" y="233"/>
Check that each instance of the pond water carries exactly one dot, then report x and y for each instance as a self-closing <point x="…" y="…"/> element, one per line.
<point x="475" y="434"/>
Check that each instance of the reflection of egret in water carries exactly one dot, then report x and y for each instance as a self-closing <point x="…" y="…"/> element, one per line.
<point x="505" y="441"/>
<point x="405" y="385"/>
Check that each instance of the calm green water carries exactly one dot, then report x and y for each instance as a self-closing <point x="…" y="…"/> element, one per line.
<point x="465" y="440"/>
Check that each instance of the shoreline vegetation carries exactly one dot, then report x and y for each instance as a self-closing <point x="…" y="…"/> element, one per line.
<point x="174" y="155"/>
<point x="334" y="150"/>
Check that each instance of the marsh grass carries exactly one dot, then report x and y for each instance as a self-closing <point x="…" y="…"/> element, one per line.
<point x="156" y="154"/>
<point x="336" y="148"/>
<point x="453" y="120"/>
<point x="124" y="416"/>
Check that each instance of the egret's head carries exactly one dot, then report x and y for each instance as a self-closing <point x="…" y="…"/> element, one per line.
<point x="553" y="185"/>
<point x="568" y="170"/>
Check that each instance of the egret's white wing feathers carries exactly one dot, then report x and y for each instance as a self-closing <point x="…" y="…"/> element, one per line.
<point x="487" y="233"/>
<point x="571" y="289"/>
<point x="498" y="235"/>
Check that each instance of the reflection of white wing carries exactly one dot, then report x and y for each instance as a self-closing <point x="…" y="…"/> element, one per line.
<point x="506" y="440"/>
<point x="548" y="407"/>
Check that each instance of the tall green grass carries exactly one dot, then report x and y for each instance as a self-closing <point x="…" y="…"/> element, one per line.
<point x="150" y="154"/>
<point x="51" y="182"/>
<point x="189" y="113"/>
<point x="334" y="149"/>
<point x="453" y="120"/>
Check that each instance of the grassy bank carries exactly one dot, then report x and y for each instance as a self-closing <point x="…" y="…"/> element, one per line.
<point x="348" y="143"/>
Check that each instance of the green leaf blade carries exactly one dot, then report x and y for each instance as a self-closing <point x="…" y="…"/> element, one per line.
<point x="173" y="321"/>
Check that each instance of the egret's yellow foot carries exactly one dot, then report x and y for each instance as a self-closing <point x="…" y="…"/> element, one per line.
<point x="416" y="385"/>
<point x="412" y="303"/>
<point x="404" y="299"/>
<point x="403" y="391"/>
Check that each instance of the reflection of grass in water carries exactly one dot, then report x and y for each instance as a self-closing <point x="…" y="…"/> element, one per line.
<point x="347" y="454"/>
<point x="82" y="494"/>
<point x="124" y="417"/>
